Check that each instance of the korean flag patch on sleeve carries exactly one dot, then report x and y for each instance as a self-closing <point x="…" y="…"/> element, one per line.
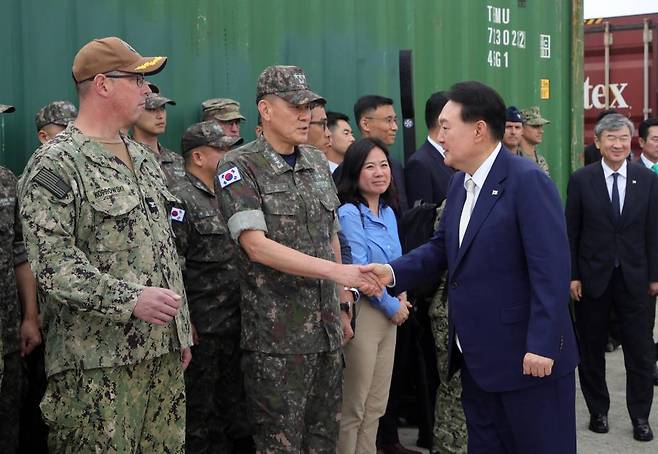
<point x="230" y="176"/>
<point x="177" y="214"/>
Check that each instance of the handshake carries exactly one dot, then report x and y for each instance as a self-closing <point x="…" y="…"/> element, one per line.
<point x="370" y="279"/>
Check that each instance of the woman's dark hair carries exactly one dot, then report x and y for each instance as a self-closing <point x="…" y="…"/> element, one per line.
<point x="348" y="182"/>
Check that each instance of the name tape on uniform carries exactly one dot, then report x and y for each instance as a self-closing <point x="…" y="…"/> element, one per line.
<point x="229" y="177"/>
<point x="177" y="214"/>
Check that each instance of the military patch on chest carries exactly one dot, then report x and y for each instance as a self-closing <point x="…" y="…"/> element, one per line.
<point x="229" y="177"/>
<point x="7" y="201"/>
<point x="108" y="191"/>
<point x="52" y="183"/>
<point x="177" y="214"/>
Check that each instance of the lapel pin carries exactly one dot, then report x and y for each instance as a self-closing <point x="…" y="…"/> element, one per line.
<point x="494" y="192"/>
<point x="634" y="181"/>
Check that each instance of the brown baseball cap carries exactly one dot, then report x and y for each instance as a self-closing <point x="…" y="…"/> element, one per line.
<point x="113" y="54"/>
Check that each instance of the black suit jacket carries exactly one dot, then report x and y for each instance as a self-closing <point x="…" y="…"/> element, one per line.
<point x="592" y="154"/>
<point x="427" y="176"/>
<point x="595" y="239"/>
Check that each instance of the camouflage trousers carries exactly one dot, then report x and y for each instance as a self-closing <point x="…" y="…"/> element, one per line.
<point x="138" y="408"/>
<point x="449" y="433"/>
<point x="294" y="401"/>
<point x="11" y="399"/>
<point x="216" y="405"/>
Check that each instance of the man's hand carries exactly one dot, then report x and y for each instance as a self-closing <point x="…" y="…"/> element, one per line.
<point x="30" y="335"/>
<point x="157" y="305"/>
<point x="345" y="320"/>
<point x="186" y="357"/>
<point x="382" y="274"/>
<point x="653" y="288"/>
<point x="353" y="276"/>
<point x="576" y="290"/>
<point x="537" y="366"/>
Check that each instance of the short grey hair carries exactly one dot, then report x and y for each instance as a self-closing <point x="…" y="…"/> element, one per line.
<point x="613" y="122"/>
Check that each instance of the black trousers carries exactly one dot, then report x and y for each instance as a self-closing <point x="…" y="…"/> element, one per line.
<point x="634" y="314"/>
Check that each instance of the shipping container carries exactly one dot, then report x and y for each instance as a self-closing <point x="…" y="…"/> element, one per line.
<point x="531" y="52"/>
<point x="621" y="55"/>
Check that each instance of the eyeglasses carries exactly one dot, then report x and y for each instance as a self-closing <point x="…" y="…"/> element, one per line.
<point x="388" y="120"/>
<point x="139" y="78"/>
<point x="322" y="123"/>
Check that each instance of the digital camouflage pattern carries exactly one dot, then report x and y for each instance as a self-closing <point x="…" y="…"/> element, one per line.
<point x="12" y="253"/>
<point x="449" y="434"/>
<point x="171" y="163"/>
<point x="208" y="258"/>
<point x="214" y="384"/>
<point x="532" y="116"/>
<point x="287" y="82"/>
<point x="155" y="101"/>
<point x="540" y="161"/>
<point x="57" y="113"/>
<point x="295" y="401"/>
<point x="129" y="409"/>
<point x="217" y="420"/>
<point x="207" y="133"/>
<point x="282" y="313"/>
<point x="222" y="109"/>
<point x="97" y="234"/>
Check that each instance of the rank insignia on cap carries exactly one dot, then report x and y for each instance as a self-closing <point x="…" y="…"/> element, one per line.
<point x="230" y="176"/>
<point x="177" y="214"/>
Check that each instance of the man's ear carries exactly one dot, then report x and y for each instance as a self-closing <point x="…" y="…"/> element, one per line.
<point x="43" y="136"/>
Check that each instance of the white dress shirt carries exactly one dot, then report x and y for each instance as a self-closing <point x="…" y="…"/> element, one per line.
<point x="648" y="164"/>
<point x="438" y="147"/>
<point x="621" y="181"/>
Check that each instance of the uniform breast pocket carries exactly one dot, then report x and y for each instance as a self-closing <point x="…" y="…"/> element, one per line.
<point x="278" y="200"/>
<point x="115" y="223"/>
<point x="214" y="239"/>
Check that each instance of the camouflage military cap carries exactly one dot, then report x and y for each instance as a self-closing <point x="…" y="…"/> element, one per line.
<point x="4" y="108"/>
<point x="56" y="113"/>
<point x="155" y="101"/>
<point x="531" y="116"/>
<point x="207" y="133"/>
<point x="223" y="109"/>
<point x="112" y="54"/>
<point x="287" y="82"/>
<point x="154" y="88"/>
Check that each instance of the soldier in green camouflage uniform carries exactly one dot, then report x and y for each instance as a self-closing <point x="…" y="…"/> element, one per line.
<point x="215" y="393"/>
<point x="279" y="202"/>
<point x="533" y="132"/>
<point x="152" y="123"/>
<point x="226" y="112"/>
<point x="94" y="209"/>
<point x="53" y="118"/>
<point x="449" y="433"/>
<point x="18" y="319"/>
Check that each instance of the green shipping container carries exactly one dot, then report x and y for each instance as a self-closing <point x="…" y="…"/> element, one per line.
<point x="530" y="51"/>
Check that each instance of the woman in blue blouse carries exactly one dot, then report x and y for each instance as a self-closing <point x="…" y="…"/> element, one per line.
<point x="366" y="191"/>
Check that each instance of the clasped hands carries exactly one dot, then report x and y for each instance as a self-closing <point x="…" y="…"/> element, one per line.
<point x="370" y="279"/>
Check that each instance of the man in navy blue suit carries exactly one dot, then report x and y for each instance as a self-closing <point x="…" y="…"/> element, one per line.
<point x="502" y="238"/>
<point x="426" y="174"/>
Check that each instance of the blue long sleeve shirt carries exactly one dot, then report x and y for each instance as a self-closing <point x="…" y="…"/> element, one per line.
<point x="372" y="239"/>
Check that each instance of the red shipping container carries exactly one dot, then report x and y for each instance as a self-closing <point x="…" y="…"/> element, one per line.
<point x="629" y="70"/>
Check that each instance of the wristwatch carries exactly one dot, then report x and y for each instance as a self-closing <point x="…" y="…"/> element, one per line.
<point x="346" y="307"/>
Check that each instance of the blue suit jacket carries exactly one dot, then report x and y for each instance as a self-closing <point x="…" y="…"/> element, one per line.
<point x="427" y="176"/>
<point x="509" y="280"/>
